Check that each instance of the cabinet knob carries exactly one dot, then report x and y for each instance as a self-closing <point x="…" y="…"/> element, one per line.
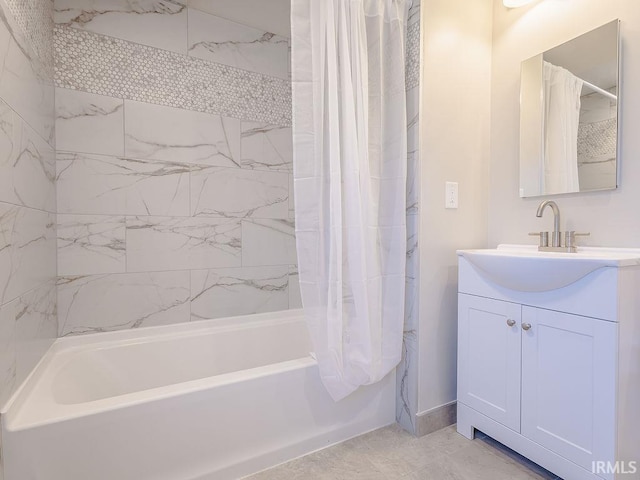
<point x="526" y="326"/>
<point x="510" y="322"/>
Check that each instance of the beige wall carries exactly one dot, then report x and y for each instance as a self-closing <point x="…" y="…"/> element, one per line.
<point x="454" y="128"/>
<point x="613" y="218"/>
<point x="469" y="133"/>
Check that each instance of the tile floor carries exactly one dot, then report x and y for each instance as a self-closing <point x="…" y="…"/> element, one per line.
<point x="391" y="453"/>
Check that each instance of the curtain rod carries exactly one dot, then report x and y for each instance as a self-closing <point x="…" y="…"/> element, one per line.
<point x="600" y="90"/>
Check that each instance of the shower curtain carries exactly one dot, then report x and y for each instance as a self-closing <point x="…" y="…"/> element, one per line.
<point x="350" y="156"/>
<point x="562" y="92"/>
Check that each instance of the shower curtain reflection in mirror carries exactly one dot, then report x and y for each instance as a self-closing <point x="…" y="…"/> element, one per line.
<point x="561" y="93"/>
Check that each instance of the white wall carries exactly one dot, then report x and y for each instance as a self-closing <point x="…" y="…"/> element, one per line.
<point x="456" y="76"/>
<point x="472" y="52"/>
<point x="611" y="217"/>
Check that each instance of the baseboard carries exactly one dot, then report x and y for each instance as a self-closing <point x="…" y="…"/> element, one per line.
<point x="436" y="419"/>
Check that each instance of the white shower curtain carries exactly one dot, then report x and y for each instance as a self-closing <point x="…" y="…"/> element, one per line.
<point x="350" y="152"/>
<point x="562" y="92"/>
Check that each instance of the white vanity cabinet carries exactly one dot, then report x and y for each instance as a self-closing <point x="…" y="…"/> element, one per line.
<point x="568" y="384"/>
<point x="553" y="382"/>
<point x="555" y="374"/>
<point x="489" y="356"/>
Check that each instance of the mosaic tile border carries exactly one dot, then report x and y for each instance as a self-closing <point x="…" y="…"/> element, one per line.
<point x="413" y="56"/>
<point x="597" y="139"/>
<point x="117" y="68"/>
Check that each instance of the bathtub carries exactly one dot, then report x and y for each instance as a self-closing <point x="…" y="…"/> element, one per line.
<point x="214" y="399"/>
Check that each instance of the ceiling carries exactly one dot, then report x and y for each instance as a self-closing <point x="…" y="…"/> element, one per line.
<point x="267" y="15"/>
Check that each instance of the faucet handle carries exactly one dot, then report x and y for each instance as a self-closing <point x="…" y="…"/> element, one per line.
<point x="570" y="237"/>
<point x="543" y="238"/>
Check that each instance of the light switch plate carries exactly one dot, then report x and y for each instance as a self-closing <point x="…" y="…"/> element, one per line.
<point x="451" y="195"/>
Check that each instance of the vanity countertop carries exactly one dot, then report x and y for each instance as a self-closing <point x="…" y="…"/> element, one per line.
<point x="524" y="268"/>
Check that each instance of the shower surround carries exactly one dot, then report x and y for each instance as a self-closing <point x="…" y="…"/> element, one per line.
<point x="174" y="164"/>
<point x="28" y="323"/>
<point x="173" y="174"/>
<point x="407" y="372"/>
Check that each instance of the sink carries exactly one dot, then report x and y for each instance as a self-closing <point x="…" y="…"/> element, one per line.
<point x="524" y="268"/>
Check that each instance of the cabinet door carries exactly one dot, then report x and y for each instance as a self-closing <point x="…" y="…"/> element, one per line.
<point x="489" y="358"/>
<point x="568" y="384"/>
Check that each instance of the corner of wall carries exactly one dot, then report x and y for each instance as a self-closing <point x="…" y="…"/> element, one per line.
<point x="28" y="312"/>
<point x="455" y="146"/>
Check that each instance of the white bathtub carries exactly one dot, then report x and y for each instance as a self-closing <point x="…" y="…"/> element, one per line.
<point x="217" y="399"/>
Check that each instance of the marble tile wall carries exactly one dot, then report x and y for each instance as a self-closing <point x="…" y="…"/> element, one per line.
<point x="156" y="23"/>
<point x="222" y="41"/>
<point x="161" y="52"/>
<point x="172" y="206"/>
<point x="407" y="371"/>
<point x="173" y="175"/>
<point x="28" y="311"/>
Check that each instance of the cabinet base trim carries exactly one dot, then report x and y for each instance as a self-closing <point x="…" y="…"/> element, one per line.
<point x="469" y="419"/>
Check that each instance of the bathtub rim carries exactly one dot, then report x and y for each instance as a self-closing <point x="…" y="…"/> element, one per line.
<point x="10" y="411"/>
<point x="176" y="328"/>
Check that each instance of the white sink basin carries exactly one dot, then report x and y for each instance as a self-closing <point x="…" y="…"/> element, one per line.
<point x="523" y="268"/>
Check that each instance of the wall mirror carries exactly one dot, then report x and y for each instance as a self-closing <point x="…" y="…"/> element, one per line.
<point x="569" y="116"/>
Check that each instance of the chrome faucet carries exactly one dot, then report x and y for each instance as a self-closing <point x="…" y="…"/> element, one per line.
<point x="556" y="240"/>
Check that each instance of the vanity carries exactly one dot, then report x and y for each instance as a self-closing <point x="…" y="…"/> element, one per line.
<point x="549" y="335"/>
<point x="549" y="356"/>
